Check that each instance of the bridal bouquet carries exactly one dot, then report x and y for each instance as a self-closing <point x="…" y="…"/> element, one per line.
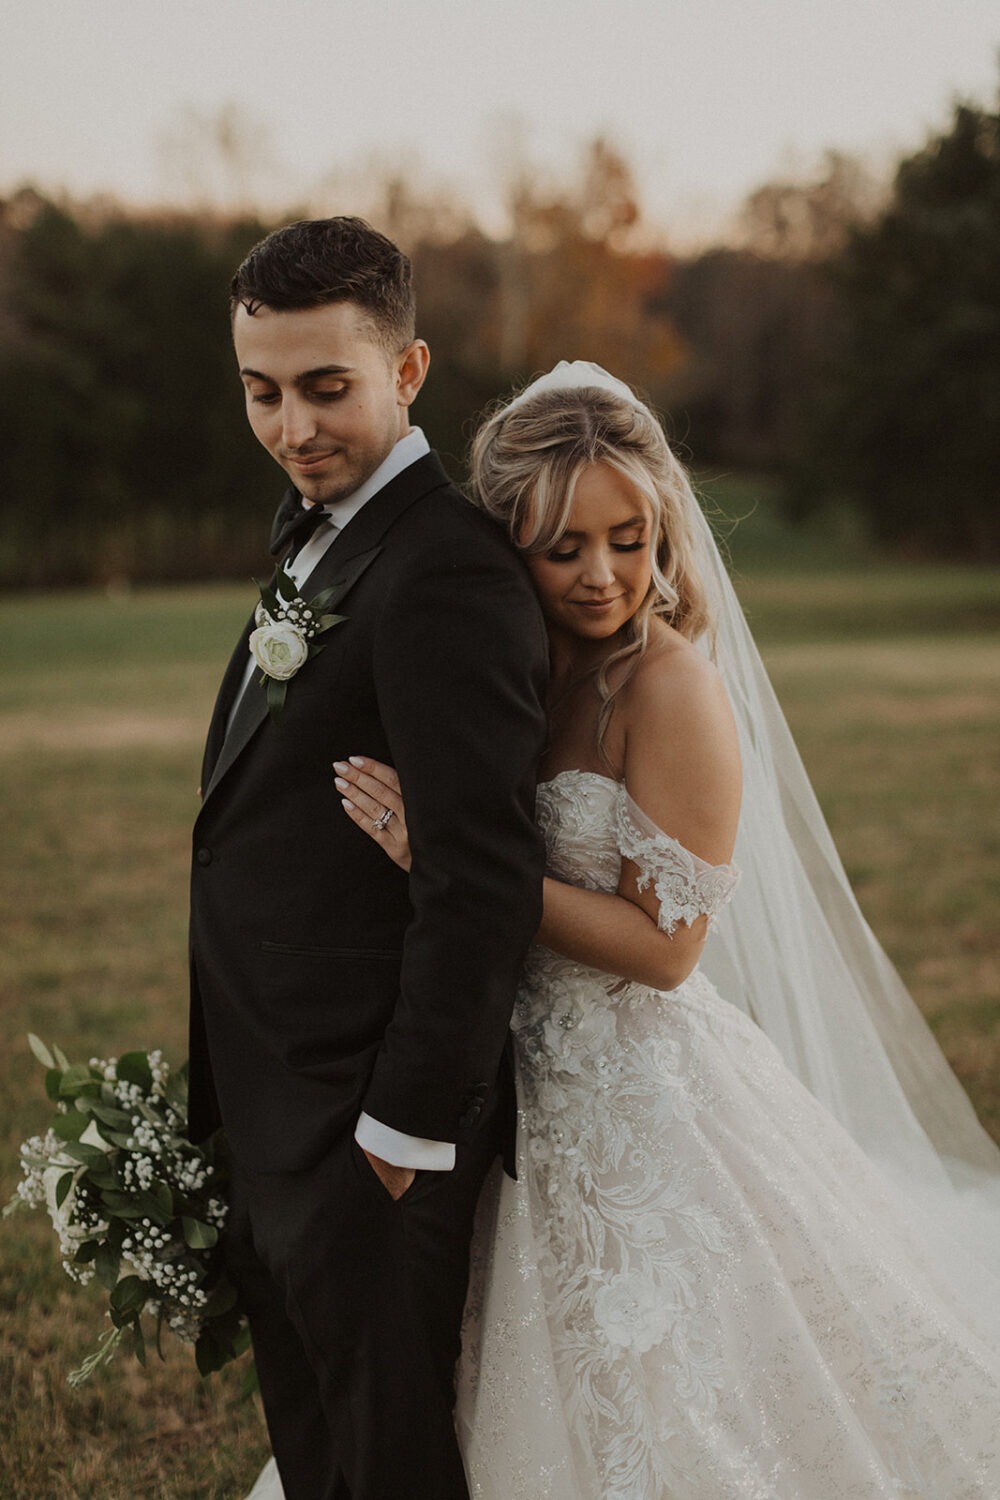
<point x="134" y="1203"/>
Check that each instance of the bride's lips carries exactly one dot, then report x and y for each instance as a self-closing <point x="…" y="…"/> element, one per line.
<point x="596" y="606"/>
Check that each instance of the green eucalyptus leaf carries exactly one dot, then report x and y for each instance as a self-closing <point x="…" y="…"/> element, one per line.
<point x="162" y="1196"/>
<point x="209" y="1354"/>
<point x="138" y="1342"/>
<point x="117" y="1231"/>
<point x="40" y="1050"/>
<point x="86" y="1252"/>
<point x="198" y="1235"/>
<point x="107" y="1265"/>
<point x="221" y="1299"/>
<point x="134" y="1068"/>
<point x="128" y="1296"/>
<point x="107" y="1114"/>
<point x="62" y="1187"/>
<point x="73" y="1080"/>
<point x="69" y="1127"/>
<point x="88" y="1156"/>
<point x="124" y="1207"/>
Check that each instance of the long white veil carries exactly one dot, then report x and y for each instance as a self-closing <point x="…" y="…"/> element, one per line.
<point x="794" y="950"/>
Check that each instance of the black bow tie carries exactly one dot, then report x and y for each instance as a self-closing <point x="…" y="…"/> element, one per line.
<point x="295" y="523"/>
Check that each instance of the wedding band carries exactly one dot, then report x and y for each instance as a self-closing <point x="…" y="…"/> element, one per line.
<point x="383" y="821"/>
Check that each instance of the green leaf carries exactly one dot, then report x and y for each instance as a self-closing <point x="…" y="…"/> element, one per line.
<point x="163" y="1198"/>
<point x="198" y="1235"/>
<point x="275" y="697"/>
<point x="221" y="1299"/>
<point x="138" y="1342"/>
<point x="85" y="1254"/>
<point x="69" y="1127"/>
<point x="285" y="585"/>
<point x="269" y="599"/>
<point x="107" y="1265"/>
<point x="116" y="1234"/>
<point x="107" y="1114"/>
<point x="87" y="1155"/>
<point x="209" y="1354"/>
<point x="104" y="1181"/>
<point x="63" y="1186"/>
<point x="40" y="1050"/>
<point x="73" y="1080"/>
<point x="134" y="1068"/>
<point x="53" y="1079"/>
<point x="62" y="1060"/>
<point x="123" y="1206"/>
<point x="128" y="1296"/>
<point x="328" y="621"/>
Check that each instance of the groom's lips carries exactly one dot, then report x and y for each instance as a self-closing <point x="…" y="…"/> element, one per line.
<point x="308" y="463"/>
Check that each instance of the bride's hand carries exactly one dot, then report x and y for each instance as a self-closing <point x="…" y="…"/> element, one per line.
<point x="369" y="791"/>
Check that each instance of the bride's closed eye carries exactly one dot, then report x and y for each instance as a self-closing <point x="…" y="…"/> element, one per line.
<point x="615" y="547"/>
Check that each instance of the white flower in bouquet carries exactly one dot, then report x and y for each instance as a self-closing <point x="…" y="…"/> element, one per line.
<point x="134" y="1203"/>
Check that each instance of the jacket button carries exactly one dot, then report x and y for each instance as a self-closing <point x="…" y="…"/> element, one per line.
<point x="469" y="1116"/>
<point x="204" y="856"/>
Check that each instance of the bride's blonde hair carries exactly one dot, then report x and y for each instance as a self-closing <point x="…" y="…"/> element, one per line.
<point x="525" y="463"/>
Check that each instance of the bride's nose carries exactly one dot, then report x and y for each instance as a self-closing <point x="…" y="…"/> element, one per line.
<point x="597" y="570"/>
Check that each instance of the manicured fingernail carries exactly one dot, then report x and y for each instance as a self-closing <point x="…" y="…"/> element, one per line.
<point x="341" y="784"/>
<point x="340" y="765"/>
<point x="356" y="760"/>
<point x="347" y="806"/>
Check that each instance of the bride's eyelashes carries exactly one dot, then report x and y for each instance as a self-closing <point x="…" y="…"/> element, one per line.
<point x="615" y="547"/>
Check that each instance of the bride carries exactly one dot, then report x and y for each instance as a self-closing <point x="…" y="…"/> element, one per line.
<point x="751" y="1249"/>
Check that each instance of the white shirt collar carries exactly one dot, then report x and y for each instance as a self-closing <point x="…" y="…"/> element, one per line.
<point x="406" y="451"/>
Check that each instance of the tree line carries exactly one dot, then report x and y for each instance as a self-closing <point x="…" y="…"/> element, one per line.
<point x="847" y="340"/>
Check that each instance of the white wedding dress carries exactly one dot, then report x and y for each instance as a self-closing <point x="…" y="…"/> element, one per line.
<point x="699" y="1288"/>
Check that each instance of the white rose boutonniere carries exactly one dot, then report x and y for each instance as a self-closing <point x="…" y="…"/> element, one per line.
<point x="285" y="637"/>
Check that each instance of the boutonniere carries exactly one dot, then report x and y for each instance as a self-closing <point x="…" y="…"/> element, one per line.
<point x="285" y="638"/>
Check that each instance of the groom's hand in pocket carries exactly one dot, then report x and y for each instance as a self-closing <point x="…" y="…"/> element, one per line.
<point x="395" y="1180"/>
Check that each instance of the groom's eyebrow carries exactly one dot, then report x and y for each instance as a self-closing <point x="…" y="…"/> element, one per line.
<point x="304" y="378"/>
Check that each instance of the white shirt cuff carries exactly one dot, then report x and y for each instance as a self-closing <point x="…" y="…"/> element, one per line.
<point x="403" y="1150"/>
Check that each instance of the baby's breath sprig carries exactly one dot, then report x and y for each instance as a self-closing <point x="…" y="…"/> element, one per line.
<point x="134" y="1203"/>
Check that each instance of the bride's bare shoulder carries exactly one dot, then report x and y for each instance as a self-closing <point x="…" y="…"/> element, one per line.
<point x="682" y="759"/>
<point x="674" y="683"/>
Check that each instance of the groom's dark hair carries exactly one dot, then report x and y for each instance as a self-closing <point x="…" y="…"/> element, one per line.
<point x="316" y="261"/>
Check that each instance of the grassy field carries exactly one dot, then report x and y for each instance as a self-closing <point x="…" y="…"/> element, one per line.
<point x="891" y="678"/>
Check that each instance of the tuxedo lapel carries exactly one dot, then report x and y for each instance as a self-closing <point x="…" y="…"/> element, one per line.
<point x="349" y="555"/>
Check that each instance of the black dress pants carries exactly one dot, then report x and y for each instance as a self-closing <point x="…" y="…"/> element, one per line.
<point x="355" y="1304"/>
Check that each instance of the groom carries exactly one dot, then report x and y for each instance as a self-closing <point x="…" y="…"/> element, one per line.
<point x="348" y="1021"/>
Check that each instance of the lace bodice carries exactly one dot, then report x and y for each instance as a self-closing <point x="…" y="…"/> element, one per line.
<point x="591" y="823"/>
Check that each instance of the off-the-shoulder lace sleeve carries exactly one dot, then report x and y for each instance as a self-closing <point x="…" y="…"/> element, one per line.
<point x="686" y="887"/>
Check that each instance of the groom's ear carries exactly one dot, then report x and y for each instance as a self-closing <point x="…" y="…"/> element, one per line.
<point x="411" y="371"/>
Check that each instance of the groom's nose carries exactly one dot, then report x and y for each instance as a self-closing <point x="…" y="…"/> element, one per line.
<point x="298" y="423"/>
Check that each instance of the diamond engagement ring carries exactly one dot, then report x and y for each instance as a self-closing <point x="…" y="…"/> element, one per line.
<point x="382" y="821"/>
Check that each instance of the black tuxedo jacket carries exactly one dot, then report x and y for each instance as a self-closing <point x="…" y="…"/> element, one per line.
<point x="324" y="979"/>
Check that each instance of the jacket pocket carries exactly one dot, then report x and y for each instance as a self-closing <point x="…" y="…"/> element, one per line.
<point x="299" y="950"/>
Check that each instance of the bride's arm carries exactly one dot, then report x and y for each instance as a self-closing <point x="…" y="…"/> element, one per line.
<point x="682" y="769"/>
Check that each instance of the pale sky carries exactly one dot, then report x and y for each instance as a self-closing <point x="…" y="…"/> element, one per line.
<point x="705" y="98"/>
